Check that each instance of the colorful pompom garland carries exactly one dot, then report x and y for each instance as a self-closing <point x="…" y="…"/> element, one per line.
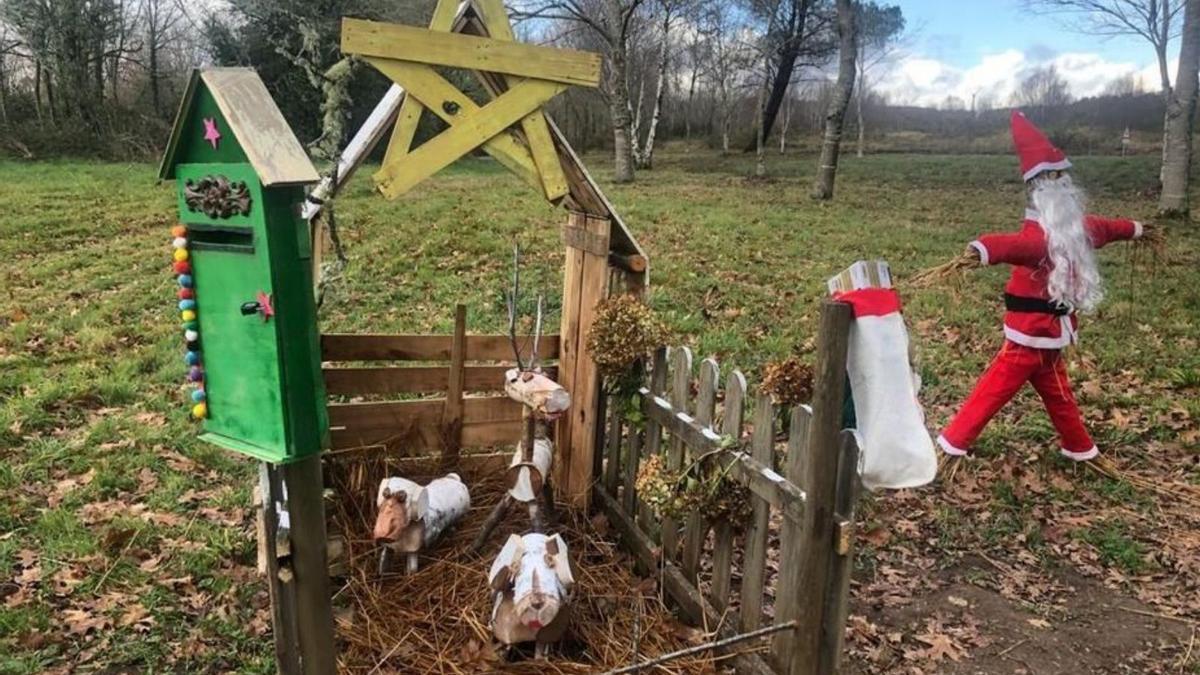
<point x="191" y="326"/>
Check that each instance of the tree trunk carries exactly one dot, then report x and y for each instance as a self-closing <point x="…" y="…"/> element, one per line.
<point x="862" y="131"/>
<point x="787" y="121"/>
<point x="789" y="51"/>
<point x="687" y="113"/>
<point x="1181" y="113"/>
<point x="835" y="117"/>
<point x="645" y="158"/>
<point x="760" y="138"/>
<point x="621" y="117"/>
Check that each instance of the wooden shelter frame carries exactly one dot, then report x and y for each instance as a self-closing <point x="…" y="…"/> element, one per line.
<point x="598" y="452"/>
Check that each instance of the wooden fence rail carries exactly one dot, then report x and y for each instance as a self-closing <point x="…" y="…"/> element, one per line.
<point x="809" y="480"/>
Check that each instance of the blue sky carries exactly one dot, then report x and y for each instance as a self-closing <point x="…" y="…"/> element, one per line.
<point x="981" y="47"/>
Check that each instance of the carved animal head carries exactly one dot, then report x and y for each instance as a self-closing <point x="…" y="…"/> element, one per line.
<point x="536" y="570"/>
<point x="397" y="503"/>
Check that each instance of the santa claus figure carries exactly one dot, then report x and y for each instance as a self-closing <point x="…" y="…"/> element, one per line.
<point x="1055" y="277"/>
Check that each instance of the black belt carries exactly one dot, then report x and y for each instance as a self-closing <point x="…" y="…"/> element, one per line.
<point x="1020" y="303"/>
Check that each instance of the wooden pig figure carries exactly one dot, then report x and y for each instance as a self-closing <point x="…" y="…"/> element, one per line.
<point x="531" y="584"/>
<point x="411" y="516"/>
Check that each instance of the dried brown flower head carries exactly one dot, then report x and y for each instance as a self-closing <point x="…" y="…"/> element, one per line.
<point x="625" y="329"/>
<point x="788" y="381"/>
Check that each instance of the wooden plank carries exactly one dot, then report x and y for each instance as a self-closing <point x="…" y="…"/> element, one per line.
<point x="388" y="414"/>
<point x="696" y="530"/>
<point x="378" y="347"/>
<point x="837" y="600"/>
<point x="400" y="174"/>
<point x="434" y="91"/>
<point x="791" y="542"/>
<point x="754" y="560"/>
<point x="690" y="601"/>
<point x="612" y="467"/>
<point x="452" y="411"/>
<point x="384" y="380"/>
<point x="282" y="595"/>
<point x="722" y="557"/>
<point x="314" y="608"/>
<point x="569" y="347"/>
<point x="821" y="454"/>
<point x="585" y="398"/>
<point x="681" y="389"/>
<point x="424" y="441"/>
<point x="476" y="462"/>
<point x="455" y="50"/>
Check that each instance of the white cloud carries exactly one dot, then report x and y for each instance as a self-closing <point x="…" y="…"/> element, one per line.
<point x="920" y="80"/>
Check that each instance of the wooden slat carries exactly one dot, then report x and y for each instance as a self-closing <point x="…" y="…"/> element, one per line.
<point x="385" y="380"/>
<point x="696" y="530"/>
<point x="388" y="414"/>
<point x="374" y="347"/>
<point x="424" y="441"/>
<point x="612" y="467"/>
<point x="791" y="543"/>
<point x="722" y="557"/>
<point x="821" y="454"/>
<point x="691" y="602"/>
<point x="652" y="444"/>
<point x="455" y="50"/>
<point x="837" y="601"/>
<point x="452" y="411"/>
<point x="681" y="390"/>
<point x="633" y="457"/>
<point x="754" y="561"/>
<point x="585" y="397"/>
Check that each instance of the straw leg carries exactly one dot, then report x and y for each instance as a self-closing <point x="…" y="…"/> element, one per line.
<point x="414" y="563"/>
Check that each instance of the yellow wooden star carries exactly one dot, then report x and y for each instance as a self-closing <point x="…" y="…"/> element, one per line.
<point x="520" y="77"/>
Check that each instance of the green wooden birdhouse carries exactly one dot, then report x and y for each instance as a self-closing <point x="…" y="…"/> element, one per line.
<point x="241" y="255"/>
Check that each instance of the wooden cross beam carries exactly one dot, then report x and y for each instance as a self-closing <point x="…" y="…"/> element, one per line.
<point x="531" y="76"/>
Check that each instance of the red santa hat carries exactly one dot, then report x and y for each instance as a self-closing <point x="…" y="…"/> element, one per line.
<point x="1036" y="152"/>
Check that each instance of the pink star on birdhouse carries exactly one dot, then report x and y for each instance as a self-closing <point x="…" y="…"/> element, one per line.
<point x="210" y="131"/>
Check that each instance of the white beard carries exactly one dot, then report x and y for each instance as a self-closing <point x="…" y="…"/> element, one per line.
<point x="1074" y="274"/>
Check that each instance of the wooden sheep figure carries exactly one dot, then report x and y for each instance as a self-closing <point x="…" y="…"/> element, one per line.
<point x="411" y="517"/>
<point x="531" y="584"/>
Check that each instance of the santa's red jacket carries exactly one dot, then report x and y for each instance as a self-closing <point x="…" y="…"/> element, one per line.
<point x="1026" y="252"/>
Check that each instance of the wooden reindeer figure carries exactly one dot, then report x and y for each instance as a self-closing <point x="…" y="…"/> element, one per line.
<point x="531" y="584"/>
<point x="544" y="400"/>
<point x="411" y="517"/>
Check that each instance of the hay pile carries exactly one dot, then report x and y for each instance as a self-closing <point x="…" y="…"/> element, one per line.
<point x="436" y="621"/>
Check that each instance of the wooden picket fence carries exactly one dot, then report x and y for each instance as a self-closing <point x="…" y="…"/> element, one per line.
<point x="811" y="493"/>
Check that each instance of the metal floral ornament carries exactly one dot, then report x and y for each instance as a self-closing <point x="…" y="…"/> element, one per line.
<point x="217" y="197"/>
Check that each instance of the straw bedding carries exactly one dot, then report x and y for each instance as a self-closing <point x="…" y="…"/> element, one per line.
<point x="436" y="621"/>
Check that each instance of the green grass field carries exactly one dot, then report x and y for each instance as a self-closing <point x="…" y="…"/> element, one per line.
<point x="125" y="543"/>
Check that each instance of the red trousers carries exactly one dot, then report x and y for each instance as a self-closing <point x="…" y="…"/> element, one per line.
<point x="1015" y="365"/>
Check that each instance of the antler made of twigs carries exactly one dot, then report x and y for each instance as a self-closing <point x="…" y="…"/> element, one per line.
<point x="512" y="299"/>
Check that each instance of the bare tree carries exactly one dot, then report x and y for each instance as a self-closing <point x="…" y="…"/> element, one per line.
<point x="880" y="29"/>
<point x="728" y="60"/>
<point x="1180" y="116"/>
<point x="612" y="21"/>
<point x="1043" y="88"/>
<point x="668" y="12"/>
<point x="835" y="117"/>
<point x="159" y="19"/>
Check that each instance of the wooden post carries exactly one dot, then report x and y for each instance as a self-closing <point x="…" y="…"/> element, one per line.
<point x="585" y="283"/>
<point x="281" y="579"/>
<point x="821" y="454"/>
<point x="653" y="441"/>
<point x="313" y="609"/>
<point x="791" y="541"/>
<point x="452" y="412"/>
<point x="833" y="631"/>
